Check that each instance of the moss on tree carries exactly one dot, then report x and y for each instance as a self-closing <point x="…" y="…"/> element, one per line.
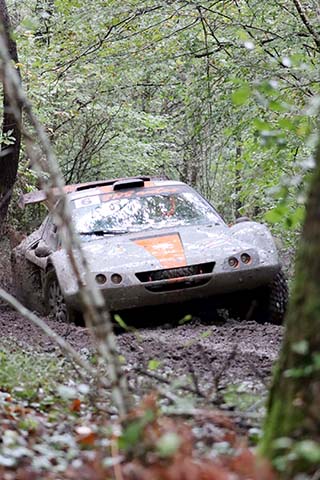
<point x="294" y="401"/>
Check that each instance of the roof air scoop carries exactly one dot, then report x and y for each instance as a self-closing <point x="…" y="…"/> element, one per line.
<point x="130" y="183"/>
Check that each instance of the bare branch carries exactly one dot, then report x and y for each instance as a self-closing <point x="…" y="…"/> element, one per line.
<point x="66" y="348"/>
<point x="307" y="23"/>
<point x="96" y="316"/>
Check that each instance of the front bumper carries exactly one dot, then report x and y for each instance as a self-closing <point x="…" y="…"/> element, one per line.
<point x="134" y="294"/>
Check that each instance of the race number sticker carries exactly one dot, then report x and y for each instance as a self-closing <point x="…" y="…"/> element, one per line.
<point x="87" y="201"/>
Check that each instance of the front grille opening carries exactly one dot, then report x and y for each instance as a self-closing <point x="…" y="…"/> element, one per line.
<point x="178" y="285"/>
<point x="165" y="274"/>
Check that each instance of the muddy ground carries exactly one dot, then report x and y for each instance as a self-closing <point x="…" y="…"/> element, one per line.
<point x="233" y="351"/>
<point x="223" y="353"/>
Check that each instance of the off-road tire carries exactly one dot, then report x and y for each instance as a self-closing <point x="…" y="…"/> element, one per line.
<point x="273" y="301"/>
<point x="265" y="304"/>
<point x="56" y="306"/>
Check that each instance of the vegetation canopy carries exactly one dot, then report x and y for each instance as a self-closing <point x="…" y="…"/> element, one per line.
<point x="223" y="95"/>
<point x="220" y="95"/>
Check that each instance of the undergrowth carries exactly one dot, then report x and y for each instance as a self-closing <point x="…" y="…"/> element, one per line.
<point x="28" y="376"/>
<point x="54" y="424"/>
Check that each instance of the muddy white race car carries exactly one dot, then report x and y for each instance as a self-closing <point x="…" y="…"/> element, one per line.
<point x="151" y="242"/>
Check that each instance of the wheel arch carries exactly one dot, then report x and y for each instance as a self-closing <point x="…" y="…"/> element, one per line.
<point x="258" y="235"/>
<point x="59" y="262"/>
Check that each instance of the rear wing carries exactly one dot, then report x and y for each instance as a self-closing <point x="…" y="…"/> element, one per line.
<point x="40" y="196"/>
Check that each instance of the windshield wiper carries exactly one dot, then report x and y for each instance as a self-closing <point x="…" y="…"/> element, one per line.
<point x="101" y="233"/>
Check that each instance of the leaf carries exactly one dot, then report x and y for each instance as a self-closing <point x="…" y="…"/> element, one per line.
<point x="286" y="124"/>
<point x="86" y="436"/>
<point x="277" y="106"/>
<point x="120" y="322"/>
<point x="67" y="393"/>
<point x="131" y="435"/>
<point x="153" y="364"/>
<point x="240" y="96"/>
<point x="185" y="319"/>
<point x="29" y="24"/>
<point x="308" y="450"/>
<point x="261" y="125"/>
<point x="206" y="334"/>
<point x="133" y="432"/>
<point x="283" y="443"/>
<point x="301" y="347"/>
<point x="75" y="405"/>
<point x="276" y="214"/>
<point x="168" y="444"/>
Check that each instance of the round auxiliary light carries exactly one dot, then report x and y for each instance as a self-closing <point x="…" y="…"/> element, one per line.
<point x="245" y="258"/>
<point x="233" y="262"/>
<point x="116" y="278"/>
<point x="101" y="278"/>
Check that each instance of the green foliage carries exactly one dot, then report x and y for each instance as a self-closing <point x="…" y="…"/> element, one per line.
<point x="242" y="95"/>
<point x="301" y="347"/>
<point x="133" y="433"/>
<point x="308" y="450"/>
<point x="242" y="397"/>
<point x="23" y="376"/>
<point x="153" y="364"/>
<point x="26" y="219"/>
<point x="305" y="453"/>
<point x="120" y="322"/>
<point x="168" y="444"/>
<point x="222" y="100"/>
<point x="185" y="319"/>
<point x="7" y="138"/>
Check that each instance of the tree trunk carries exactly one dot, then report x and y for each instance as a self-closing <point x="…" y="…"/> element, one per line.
<point x="293" y="409"/>
<point x="9" y="155"/>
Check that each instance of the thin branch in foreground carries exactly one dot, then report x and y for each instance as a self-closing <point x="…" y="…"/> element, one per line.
<point x="194" y="378"/>
<point x="65" y="347"/>
<point x="96" y="315"/>
<point x="165" y="381"/>
<point x="218" y="375"/>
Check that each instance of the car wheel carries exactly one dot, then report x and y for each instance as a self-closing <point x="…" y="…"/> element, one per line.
<point x="56" y="305"/>
<point x="266" y="304"/>
<point x="273" y="301"/>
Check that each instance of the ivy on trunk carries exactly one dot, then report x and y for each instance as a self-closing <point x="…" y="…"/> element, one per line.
<point x="292" y="429"/>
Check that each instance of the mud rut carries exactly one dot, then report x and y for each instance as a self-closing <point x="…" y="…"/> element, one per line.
<point x="235" y="351"/>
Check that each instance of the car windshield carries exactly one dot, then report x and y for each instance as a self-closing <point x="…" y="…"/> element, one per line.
<point x="135" y="213"/>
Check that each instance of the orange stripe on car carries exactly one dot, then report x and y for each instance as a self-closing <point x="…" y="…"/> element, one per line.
<point x="168" y="249"/>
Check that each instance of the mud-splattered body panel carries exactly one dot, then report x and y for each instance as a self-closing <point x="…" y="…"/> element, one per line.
<point x="176" y="250"/>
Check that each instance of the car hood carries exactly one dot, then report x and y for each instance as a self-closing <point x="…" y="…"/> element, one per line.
<point x="165" y="248"/>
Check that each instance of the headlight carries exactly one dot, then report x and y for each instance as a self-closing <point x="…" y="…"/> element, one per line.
<point x="233" y="262"/>
<point x="245" y="258"/>
<point x="116" y="278"/>
<point x="101" y="278"/>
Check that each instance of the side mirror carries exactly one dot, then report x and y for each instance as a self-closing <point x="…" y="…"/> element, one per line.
<point x="42" y="250"/>
<point x="242" y="219"/>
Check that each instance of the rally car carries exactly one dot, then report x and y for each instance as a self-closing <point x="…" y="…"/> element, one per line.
<point x="151" y="242"/>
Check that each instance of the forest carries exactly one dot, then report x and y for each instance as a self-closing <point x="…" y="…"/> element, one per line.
<point x="223" y="95"/>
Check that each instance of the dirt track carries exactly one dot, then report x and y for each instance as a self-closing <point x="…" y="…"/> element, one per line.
<point x="251" y="346"/>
